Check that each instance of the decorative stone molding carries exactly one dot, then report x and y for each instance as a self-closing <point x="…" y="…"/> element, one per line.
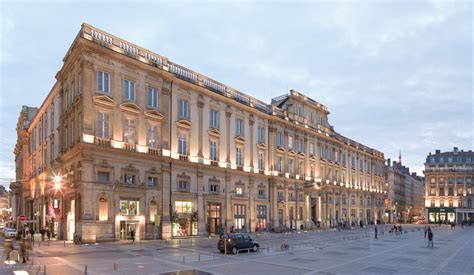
<point x="104" y="101"/>
<point x="153" y="115"/>
<point x="184" y="124"/>
<point x="130" y="108"/>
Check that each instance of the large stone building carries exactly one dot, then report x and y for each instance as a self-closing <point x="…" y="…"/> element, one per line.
<point x="405" y="193"/>
<point x="128" y="139"/>
<point x="449" y="186"/>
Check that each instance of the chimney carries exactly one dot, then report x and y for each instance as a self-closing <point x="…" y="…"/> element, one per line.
<point x="455" y="150"/>
<point x="388" y="162"/>
<point x="438" y="151"/>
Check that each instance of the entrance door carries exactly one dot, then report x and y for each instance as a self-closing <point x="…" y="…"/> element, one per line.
<point x="313" y="214"/>
<point x="126" y="229"/>
<point x="213" y="217"/>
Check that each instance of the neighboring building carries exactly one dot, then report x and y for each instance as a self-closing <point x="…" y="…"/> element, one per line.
<point x="449" y="186"/>
<point x="405" y="193"/>
<point x="127" y="139"/>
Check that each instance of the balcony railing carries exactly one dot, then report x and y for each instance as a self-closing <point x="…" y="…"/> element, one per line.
<point x="130" y="147"/>
<point x="102" y="142"/>
<point x="183" y="157"/>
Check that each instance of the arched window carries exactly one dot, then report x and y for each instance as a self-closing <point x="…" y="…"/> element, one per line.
<point x="103" y="209"/>
<point x="153" y="210"/>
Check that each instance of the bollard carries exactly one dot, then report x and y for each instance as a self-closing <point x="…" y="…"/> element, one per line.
<point x="115" y="266"/>
<point x="85" y="269"/>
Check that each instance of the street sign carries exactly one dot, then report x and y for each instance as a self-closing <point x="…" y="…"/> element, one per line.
<point x="22" y="218"/>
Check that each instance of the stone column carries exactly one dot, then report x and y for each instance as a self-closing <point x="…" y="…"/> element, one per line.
<point x="166" y="201"/>
<point x="273" y="202"/>
<point x="252" y="143"/>
<point x="200" y="205"/>
<point x="168" y="116"/>
<point x="252" y="207"/>
<point x="228" y="115"/>
<point x="228" y="201"/>
<point x="200" y="129"/>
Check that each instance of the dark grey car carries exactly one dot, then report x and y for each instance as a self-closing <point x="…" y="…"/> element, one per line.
<point x="233" y="242"/>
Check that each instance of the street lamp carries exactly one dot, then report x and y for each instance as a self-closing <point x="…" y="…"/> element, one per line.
<point x="57" y="179"/>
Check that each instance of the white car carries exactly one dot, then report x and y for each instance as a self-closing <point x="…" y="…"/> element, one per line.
<point x="10" y="233"/>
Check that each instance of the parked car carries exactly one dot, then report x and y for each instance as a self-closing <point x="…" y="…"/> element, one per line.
<point x="233" y="242"/>
<point x="10" y="233"/>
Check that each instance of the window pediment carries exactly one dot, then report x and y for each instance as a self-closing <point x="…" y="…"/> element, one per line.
<point x="154" y="115"/>
<point x="239" y="139"/>
<point x="301" y="154"/>
<point x="183" y="124"/>
<point x="214" y="133"/>
<point x="262" y="146"/>
<point x="130" y="108"/>
<point x="291" y="153"/>
<point x="280" y="150"/>
<point x="104" y="101"/>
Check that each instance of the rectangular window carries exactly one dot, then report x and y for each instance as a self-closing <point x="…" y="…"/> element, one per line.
<point x="129" y="178"/>
<point x="239" y="127"/>
<point x="129" y="90"/>
<point x="260" y="162"/>
<point x="129" y="207"/>
<point x="152" y="137"/>
<point x="103" y="125"/>
<point x="152" y="181"/>
<point x="213" y="188"/>
<point x="261" y="211"/>
<point x="152" y="97"/>
<point x="279" y="139"/>
<point x="261" y="193"/>
<point x="300" y="213"/>
<point x="183" y="207"/>
<point x="182" y="144"/>
<point x="213" y="150"/>
<point x="321" y="152"/>
<point x="103" y="82"/>
<point x="290" y="142"/>
<point x="239" y="191"/>
<point x="238" y="156"/>
<point x="214" y="119"/>
<point x="183" y="185"/>
<point x="103" y="176"/>
<point x="311" y="148"/>
<point x="261" y="135"/>
<point x="183" y="109"/>
<point x="129" y="131"/>
<point x="290" y="166"/>
<point x="278" y="164"/>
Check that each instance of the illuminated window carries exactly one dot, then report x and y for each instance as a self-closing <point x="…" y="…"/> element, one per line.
<point x="239" y="191"/>
<point x="153" y="210"/>
<point x="129" y="207"/>
<point x="183" y="207"/>
<point x="103" y="209"/>
<point x="129" y="130"/>
<point x="152" y="135"/>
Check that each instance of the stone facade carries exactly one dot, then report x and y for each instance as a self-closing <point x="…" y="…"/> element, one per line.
<point x="143" y="143"/>
<point x="449" y="186"/>
<point x="405" y="193"/>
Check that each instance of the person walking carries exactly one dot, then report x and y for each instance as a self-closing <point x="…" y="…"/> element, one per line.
<point x="32" y="236"/>
<point x="425" y="230"/>
<point x="132" y="234"/>
<point x="430" y="238"/>
<point x="376" y="231"/>
<point x="7" y="249"/>
<point x="23" y="250"/>
<point x="42" y="232"/>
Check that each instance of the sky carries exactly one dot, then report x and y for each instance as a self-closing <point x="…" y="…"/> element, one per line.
<point x="396" y="76"/>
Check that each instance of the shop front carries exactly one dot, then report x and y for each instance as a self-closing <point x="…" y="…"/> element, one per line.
<point x="261" y="218"/>
<point x="184" y="220"/>
<point x="443" y="214"/>
<point x="214" y="218"/>
<point x="130" y="224"/>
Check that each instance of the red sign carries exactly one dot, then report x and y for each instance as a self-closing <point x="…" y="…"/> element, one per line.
<point x="22" y="218"/>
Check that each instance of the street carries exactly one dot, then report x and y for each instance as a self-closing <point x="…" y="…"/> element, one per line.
<point x="324" y="252"/>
